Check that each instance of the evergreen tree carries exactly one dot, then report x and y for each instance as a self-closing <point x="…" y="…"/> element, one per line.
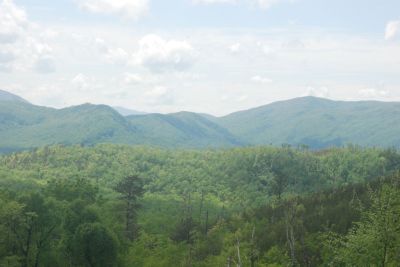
<point x="130" y="188"/>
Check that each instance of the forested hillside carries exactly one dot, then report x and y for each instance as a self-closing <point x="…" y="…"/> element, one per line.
<point x="315" y="122"/>
<point x="318" y="123"/>
<point x="25" y="126"/>
<point x="112" y="205"/>
<point x="183" y="129"/>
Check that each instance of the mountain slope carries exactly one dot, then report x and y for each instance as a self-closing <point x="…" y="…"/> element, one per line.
<point x="24" y="126"/>
<point x="9" y="97"/>
<point x="318" y="123"/>
<point x="183" y="129"/>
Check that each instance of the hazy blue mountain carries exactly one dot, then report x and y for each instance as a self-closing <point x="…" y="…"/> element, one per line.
<point x="9" y="97"/>
<point x="312" y="121"/>
<point x="24" y="126"/>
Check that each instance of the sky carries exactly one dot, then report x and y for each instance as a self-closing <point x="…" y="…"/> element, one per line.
<point x="210" y="56"/>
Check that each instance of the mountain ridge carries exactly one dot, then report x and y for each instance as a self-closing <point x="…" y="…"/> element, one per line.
<point x="6" y="96"/>
<point x="315" y="122"/>
<point x="339" y="122"/>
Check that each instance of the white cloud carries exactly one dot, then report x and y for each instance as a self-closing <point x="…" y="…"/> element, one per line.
<point x="213" y="1"/>
<point x="260" y="79"/>
<point x="294" y="44"/>
<point x="157" y="92"/>
<point x="392" y="29"/>
<point x="82" y="82"/>
<point x="43" y="94"/>
<point x="13" y="21"/>
<point x="372" y="93"/>
<point x="45" y="64"/>
<point x="322" y="92"/>
<point x="159" y="55"/>
<point x="127" y="8"/>
<point x="40" y="55"/>
<point x="132" y="78"/>
<point x="159" y="95"/>
<point x="224" y="98"/>
<point x="118" y="55"/>
<point x="300" y="57"/>
<point x="264" y="4"/>
<point x="6" y="56"/>
<point x="22" y="43"/>
<point x="49" y="34"/>
<point x="267" y="50"/>
<point x="115" y="55"/>
<point x="40" y="48"/>
<point x="101" y="45"/>
<point x="235" y="48"/>
<point x="267" y="3"/>
<point x="242" y="98"/>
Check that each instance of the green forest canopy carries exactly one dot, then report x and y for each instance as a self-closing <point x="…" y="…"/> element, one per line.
<point x="261" y="206"/>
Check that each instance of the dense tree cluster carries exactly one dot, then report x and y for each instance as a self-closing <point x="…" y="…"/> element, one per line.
<point x="112" y="205"/>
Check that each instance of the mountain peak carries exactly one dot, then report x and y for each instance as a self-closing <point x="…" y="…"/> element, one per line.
<point x="9" y="97"/>
<point x="310" y="99"/>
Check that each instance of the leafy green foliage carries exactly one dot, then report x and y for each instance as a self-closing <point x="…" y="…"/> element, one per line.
<point x="112" y="205"/>
<point x="94" y="246"/>
<point x="130" y="188"/>
<point x="375" y="239"/>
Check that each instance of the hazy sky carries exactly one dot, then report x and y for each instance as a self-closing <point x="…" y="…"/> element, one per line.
<point x="214" y="56"/>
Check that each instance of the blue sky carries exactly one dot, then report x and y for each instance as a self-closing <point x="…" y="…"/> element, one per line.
<point x="214" y="56"/>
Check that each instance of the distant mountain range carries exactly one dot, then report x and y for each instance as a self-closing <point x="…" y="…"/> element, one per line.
<point x="311" y="121"/>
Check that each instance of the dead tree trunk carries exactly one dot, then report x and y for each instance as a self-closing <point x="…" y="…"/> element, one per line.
<point x="253" y="254"/>
<point x="239" y="262"/>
